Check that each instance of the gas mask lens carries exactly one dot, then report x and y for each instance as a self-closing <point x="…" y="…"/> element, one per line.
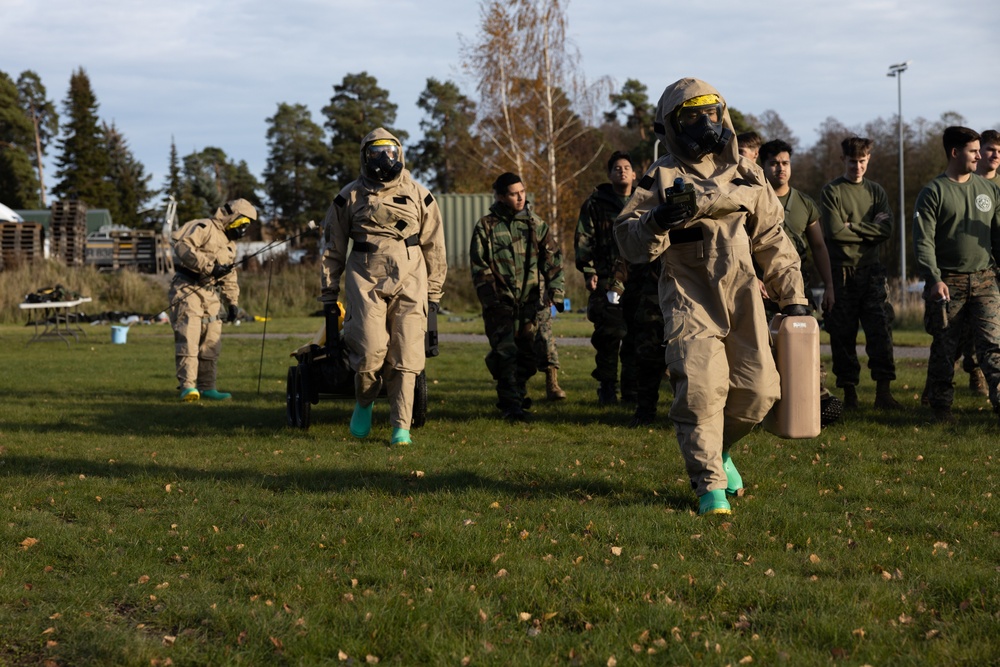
<point x="689" y="116"/>
<point x="377" y="150"/>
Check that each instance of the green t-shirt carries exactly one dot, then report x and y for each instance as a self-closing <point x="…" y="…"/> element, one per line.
<point x="858" y="204"/>
<point x="800" y="210"/>
<point x="956" y="226"/>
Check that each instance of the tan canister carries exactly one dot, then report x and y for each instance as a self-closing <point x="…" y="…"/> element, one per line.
<point x="796" y="354"/>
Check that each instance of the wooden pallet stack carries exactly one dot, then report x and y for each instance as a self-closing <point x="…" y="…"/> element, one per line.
<point x="20" y="243"/>
<point x="68" y="231"/>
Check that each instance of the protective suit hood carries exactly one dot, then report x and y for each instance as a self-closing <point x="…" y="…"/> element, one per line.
<point x="234" y="209"/>
<point x="369" y="180"/>
<point x="708" y="166"/>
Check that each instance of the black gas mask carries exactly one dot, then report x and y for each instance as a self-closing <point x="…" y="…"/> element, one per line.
<point x="699" y="127"/>
<point x="237" y="229"/>
<point x="382" y="160"/>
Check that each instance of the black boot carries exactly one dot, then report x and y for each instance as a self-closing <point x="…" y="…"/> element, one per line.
<point x="607" y="393"/>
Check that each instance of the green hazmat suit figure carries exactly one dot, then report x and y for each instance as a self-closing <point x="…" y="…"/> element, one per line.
<point x="716" y="337"/>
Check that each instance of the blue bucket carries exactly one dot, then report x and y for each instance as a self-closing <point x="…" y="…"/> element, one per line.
<point x="119" y="335"/>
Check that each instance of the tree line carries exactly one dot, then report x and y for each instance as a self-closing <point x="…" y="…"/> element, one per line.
<point x="535" y="113"/>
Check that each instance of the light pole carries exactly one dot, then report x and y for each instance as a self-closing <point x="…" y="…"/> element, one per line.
<point x="897" y="71"/>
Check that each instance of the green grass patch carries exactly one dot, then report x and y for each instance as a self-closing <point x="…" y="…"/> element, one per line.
<point x="135" y="529"/>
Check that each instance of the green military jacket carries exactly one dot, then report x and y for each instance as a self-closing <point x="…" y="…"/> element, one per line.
<point x="856" y="203"/>
<point x="956" y="226"/>
<point x="596" y="250"/>
<point x="511" y="256"/>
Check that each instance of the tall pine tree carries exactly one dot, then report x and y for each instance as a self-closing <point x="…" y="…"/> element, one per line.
<point x="293" y="177"/>
<point x="41" y="111"/>
<point x="18" y="185"/>
<point x="128" y="177"/>
<point x="83" y="165"/>
<point x="448" y="155"/>
<point x="357" y="107"/>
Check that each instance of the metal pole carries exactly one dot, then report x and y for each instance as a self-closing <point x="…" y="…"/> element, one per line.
<point x="902" y="200"/>
<point x="897" y="71"/>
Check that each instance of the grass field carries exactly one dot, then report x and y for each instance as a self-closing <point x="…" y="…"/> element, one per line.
<point x="136" y="530"/>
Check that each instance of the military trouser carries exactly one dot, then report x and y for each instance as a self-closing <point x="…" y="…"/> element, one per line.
<point x="194" y="315"/>
<point x="609" y="330"/>
<point x="511" y="359"/>
<point x="546" y="353"/>
<point x="861" y="295"/>
<point x="644" y="321"/>
<point x="975" y="305"/>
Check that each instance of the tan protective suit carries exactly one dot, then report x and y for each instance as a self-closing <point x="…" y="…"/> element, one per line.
<point x="717" y="347"/>
<point x="397" y="265"/>
<point x="194" y="296"/>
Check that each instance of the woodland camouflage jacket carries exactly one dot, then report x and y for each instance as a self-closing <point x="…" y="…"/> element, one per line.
<point x="511" y="255"/>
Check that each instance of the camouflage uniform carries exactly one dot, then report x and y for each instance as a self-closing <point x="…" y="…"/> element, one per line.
<point x="644" y="319"/>
<point x="511" y="255"/>
<point x="546" y="353"/>
<point x="860" y="284"/>
<point x="596" y="254"/>
<point x="956" y="232"/>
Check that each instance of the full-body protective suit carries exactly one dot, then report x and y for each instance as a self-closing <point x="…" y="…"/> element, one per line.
<point x="394" y="273"/>
<point x="204" y="254"/>
<point x="717" y="349"/>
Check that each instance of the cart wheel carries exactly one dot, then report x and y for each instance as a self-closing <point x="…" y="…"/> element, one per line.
<point x="420" y="401"/>
<point x="291" y="389"/>
<point x="302" y="403"/>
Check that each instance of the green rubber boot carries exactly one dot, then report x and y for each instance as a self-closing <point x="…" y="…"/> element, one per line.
<point x="190" y="395"/>
<point x="401" y="436"/>
<point x="216" y="395"/>
<point x="714" y="502"/>
<point x="735" y="481"/>
<point x="361" y="420"/>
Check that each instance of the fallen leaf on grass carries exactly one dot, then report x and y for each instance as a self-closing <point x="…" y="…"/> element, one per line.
<point x="617" y="551"/>
<point x="28" y="542"/>
<point x="278" y="644"/>
<point x="501" y="573"/>
<point x="168" y="640"/>
<point x="858" y="632"/>
<point x="342" y="656"/>
<point x="813" y="558"/>
<point x="48" y="631"/>
<point x="931" y="634"/>
<point x="371" y="659"/>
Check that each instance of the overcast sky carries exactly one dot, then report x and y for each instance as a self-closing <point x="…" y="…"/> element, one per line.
<point x="210" y="72"/>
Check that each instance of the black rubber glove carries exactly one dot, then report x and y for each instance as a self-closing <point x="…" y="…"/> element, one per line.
<point x="332" y="315"/>
<point x="794" y="310"/>
<point x="233" y="313"/>
<point x="220" y="270"/>
<point x="670" y="214"/>
<point x="559" y="302"/>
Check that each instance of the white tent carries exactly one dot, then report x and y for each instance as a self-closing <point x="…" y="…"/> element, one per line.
<point x="8" y="215"/>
